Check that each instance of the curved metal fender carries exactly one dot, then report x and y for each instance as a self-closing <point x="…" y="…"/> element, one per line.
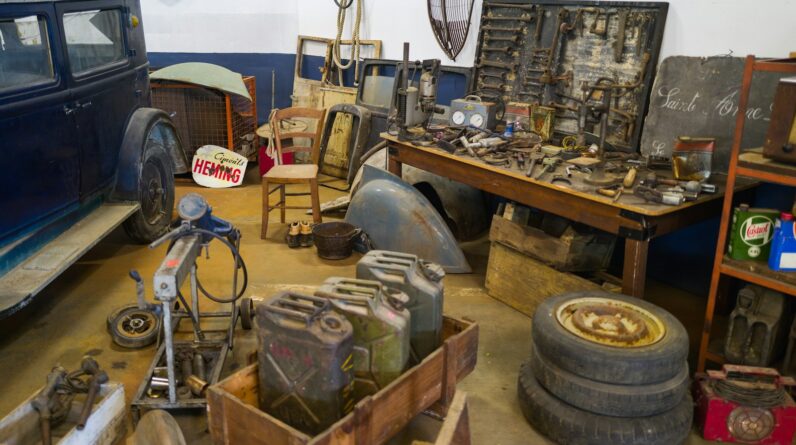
<point x="143" y="122"/>
<point x="398" y="217"/>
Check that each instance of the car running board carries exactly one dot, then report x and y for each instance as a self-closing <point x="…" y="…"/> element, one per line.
<point x="21" y="284"/>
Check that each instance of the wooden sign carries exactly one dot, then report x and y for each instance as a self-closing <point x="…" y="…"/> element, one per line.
<point x="217" y="167"/>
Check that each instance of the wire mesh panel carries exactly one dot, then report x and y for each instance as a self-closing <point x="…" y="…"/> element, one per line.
<point x="206" y="116"/>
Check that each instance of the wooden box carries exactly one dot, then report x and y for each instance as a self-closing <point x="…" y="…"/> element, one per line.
<point x="571" y="252"/>
<point x="523" y="282"/>
<point x="234" y="418"/>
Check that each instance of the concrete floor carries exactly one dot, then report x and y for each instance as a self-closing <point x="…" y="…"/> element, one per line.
<point x="67" y="320"/>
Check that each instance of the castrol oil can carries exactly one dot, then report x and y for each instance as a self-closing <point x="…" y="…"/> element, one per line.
<point x="751" y="233"/>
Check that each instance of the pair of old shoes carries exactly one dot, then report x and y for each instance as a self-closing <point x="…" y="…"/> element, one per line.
<point x="299" y="234"/>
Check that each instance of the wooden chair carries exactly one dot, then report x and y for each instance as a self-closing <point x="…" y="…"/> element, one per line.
<point x="282" y="175"/>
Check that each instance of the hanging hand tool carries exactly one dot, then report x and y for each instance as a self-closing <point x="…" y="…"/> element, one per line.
<point x="519" y="18"/>
<point x="497" y="49"/>
<point x="619" y="44"/>
<point x="502" y="28"/>
<point x="496" y="64"/>
<point x="514" y="39"/>
<point x="539" y="23"/>
<point x="509" y="5"/>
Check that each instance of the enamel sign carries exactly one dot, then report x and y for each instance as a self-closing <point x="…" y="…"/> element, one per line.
<point x="217" y="167"/>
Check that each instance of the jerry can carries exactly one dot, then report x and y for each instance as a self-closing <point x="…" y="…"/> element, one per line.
<point x="421" y="281"/>
<point x="305" y="361"/>
<point x="381" y="329"/>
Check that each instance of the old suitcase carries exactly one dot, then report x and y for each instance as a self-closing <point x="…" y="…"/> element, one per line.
<point x="381" y="329"/>
<point x="781" y="137"/>
<point x="305" y="356"/>
<point x="422" y="281"/>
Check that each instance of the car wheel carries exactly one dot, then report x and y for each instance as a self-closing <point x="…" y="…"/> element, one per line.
<point x="155" y="195"/>
<point x="246" y="313"/>
<point x="610" y="338"/>
<point x="566" y="424"/>
<point x="607" y="398"/>
<point x="134" y="328"/>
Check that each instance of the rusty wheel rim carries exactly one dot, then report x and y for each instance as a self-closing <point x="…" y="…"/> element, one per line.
<point x="610" y="322"/>
<point x="136" y="324"/>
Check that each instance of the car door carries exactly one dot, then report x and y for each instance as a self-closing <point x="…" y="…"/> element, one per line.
<point x="40" y="177"/>
<point x="102" y="85"/>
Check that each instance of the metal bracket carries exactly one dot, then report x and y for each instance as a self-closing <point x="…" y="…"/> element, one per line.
<point x="646" y="232"/>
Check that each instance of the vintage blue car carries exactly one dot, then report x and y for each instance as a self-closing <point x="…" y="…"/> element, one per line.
<point x="82" y="150"/>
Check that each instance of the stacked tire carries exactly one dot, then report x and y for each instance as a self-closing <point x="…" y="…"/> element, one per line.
<point x="602" y="375"/>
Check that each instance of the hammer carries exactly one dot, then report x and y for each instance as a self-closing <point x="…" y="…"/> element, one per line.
<point x="97" y="377"/>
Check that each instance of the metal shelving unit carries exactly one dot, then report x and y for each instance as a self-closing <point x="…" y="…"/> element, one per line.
<point x="753" y="165"/>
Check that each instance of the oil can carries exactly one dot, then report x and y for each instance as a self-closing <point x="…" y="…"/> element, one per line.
<point x="381" y="329"/>
<point x="422" y="282"/>
<point x="305" y="361"/>
<point x="751" y="232"/>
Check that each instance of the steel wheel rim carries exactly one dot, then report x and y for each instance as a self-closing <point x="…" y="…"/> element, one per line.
<point x="610" y="322"/>
<point x="153" y="199"/>
<point x="136" y="324"/>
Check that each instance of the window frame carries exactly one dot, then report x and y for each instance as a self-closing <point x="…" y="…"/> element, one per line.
<point x="52" y="46"/>
<point x="63" y="8"/>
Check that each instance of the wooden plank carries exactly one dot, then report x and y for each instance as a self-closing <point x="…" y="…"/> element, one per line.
<point x="233" y="416"/>
<point x="572" y="252"/>
<point x="525" y="291"/>
<point x="456" y="428"/>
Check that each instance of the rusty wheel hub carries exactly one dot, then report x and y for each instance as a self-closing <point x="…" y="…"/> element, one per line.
<point x="610" y="322"/>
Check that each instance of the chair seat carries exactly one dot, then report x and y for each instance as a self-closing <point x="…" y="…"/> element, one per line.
<point x="293" y="171"/>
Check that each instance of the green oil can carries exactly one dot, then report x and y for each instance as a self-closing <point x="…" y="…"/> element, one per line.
<point x="305" y="361"/>
<point x="419" y="279"/>
<point x="751" y="232"/>
<point x="381" y="329"/>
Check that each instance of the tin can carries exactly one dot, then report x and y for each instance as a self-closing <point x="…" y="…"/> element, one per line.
<point x="381" y="329"/>
<point x="509" y="131"/>
<point x="751" y="233"/>
<point x="422" y="282"/>
<point x="542" y="121"/>
<point x="305" y="356"/>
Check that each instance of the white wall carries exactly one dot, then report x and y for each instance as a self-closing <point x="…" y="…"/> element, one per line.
<point x="693" y="28"/>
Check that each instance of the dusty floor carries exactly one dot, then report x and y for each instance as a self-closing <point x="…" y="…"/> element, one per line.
<point x="67" y="320"/>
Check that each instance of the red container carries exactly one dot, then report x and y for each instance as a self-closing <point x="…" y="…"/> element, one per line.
<point x="265" y="162"/>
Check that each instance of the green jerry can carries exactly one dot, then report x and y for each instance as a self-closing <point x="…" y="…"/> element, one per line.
<point x="381" y="329"/>
<point x="420" y="280"/>
<point x="305" y="356"/>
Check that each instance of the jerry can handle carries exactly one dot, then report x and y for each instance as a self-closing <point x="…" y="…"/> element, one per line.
<point x="360" y="299"/>
<point x="301" y="311"/>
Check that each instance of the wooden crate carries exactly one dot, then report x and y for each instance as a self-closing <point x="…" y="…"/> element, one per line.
<point x="234" y="418"/>
<point x="571" y="252"/>
<point x="523" y="282"/>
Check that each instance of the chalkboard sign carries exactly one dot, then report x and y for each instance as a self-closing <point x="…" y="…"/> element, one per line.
<point x="699" y="97"/>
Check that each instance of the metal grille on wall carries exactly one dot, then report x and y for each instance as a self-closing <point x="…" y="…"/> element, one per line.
<point x="205" y="116"/>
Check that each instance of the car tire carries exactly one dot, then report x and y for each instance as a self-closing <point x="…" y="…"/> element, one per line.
<point x="566" y="424"/>
<point x="635" y="365"/>
<point x="610" y="399"/>
<point x="134" y="328"/>
<point x="246" y="313"/>
<point x="155" y="195"/>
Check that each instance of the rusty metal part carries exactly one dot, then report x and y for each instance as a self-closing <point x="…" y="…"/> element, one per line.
<point x="493" y="86"/>
<point x="97" y="377"/>
<point x="495" y="64"/>
<point x="610" y="322"/>
<point x="619" y="43"/>
<point x="560" y="178"/>
<point x="539" y="23"/>
<point x="534" y="157"/>
<point x="529" y="93"/>
<point x="450" y="22"/>
<point x="550" y="79"/>
<point x="197" y="385"/>
<point x="502" y="28"/>
<point x="509" y="5"/>
<point x="46" y="402"/>
<point x="599" y="26"/>
<point x="549" y="165"/>
<point x="514" y="39"/>
<point x="497" y="49"/>
<point x="499" y="75"/>
<point x="519" y="18"/>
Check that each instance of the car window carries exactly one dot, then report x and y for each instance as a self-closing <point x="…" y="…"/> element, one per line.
<point x="93" y="39"/>
<point x="25" y="57"/>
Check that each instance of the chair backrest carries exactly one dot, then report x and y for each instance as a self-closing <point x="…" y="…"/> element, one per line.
<point x="286" y="135"/>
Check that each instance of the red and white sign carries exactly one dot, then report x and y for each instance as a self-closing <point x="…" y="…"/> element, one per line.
<point x="217" y="167"/>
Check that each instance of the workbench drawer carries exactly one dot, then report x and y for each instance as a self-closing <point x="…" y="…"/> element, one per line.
<point x="234" y="418"/>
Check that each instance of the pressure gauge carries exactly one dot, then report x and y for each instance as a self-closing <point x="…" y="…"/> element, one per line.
<point x="458" y="118"/>
<point x="477" y="120"/>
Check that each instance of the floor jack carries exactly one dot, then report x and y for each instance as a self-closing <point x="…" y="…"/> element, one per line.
<point x="200" y="360"/>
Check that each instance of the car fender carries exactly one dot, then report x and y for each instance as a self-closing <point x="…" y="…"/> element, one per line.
<point x="144" y="122"/>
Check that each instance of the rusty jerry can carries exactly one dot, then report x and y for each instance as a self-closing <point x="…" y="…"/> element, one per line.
<point x="381" y="329"/>
<point x="420" y="280"/>
<point x="305" y="361"/>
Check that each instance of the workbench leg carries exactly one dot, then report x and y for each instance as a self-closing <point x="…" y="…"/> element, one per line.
<point x="634" y="273"/>
<point x="393" y="166"/>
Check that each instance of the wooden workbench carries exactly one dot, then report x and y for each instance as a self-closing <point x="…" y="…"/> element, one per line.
<point x="630" y="217"/>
